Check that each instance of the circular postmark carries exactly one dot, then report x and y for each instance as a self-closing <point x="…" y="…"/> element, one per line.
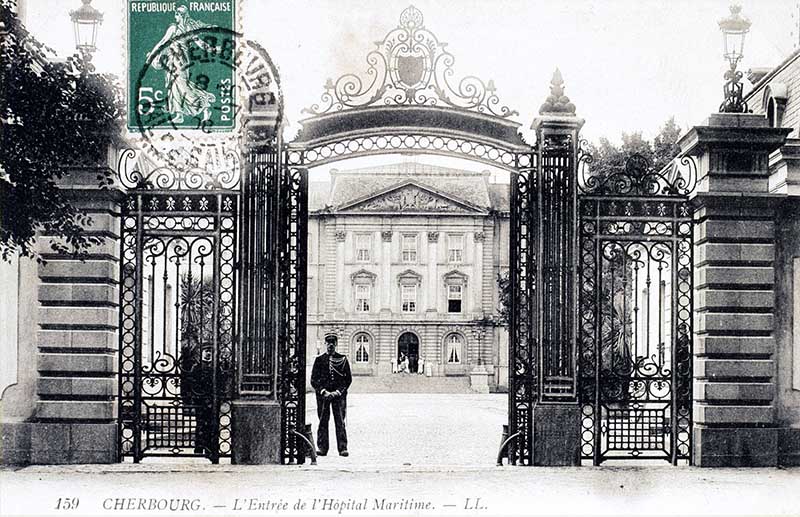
<point x="201" y="96"/>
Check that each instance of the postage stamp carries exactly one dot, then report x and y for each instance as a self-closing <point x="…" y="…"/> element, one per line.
<point x="179" y="64"/>
<point x="196" y="88"/>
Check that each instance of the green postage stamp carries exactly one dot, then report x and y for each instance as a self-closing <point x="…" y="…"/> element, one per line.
<point x="179" y="65"/>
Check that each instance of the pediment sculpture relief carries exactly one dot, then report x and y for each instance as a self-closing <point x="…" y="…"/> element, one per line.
<point x="409" y="199"/>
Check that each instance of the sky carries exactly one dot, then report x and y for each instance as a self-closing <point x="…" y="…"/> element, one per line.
<point x="628" y="65"/>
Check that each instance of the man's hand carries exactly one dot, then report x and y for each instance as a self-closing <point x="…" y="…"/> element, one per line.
<point x="325" y="393"/>
<point x="336" y="394"/>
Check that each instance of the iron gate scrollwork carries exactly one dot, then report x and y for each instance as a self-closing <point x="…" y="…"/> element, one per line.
<point x="177" y="313"/>
<point x="293" y="280"/>
<point x="522" y="378"/>
<point x="635" y="311"/>
<point x="273" y="297"/>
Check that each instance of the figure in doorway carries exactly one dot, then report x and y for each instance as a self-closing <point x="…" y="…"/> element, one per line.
<point x="421" y="367"/>
<point x="330" y="378"/>
<point x="403" y="363"/>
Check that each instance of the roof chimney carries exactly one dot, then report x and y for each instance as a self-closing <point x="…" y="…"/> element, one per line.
<point x="754" y="75"/>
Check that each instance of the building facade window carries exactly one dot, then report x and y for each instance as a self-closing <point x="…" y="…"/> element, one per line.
<point x="362" y="281"/>
<point x="362" y="343"/>
<point x="455" y="294"/>
<point x="363" y="247"/>
<point x="455" y="248"/>
<point x="363" y="292"/>
<point x="455" y="286"/>
<point x="454" y="348"/>
<point x="408" y="301"/>
<point x="408" y="248"/>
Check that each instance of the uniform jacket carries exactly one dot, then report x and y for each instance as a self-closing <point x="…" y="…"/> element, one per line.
<point x="331" y="372"/>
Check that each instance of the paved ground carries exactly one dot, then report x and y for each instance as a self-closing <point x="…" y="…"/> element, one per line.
<point x="444" y="468"/>
<point x="418" y="429"/>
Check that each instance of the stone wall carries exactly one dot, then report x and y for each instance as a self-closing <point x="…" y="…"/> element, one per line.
<point x="787" y="330"/>
<point x="18" y="354"/>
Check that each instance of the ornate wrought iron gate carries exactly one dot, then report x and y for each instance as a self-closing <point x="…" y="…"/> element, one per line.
<point x="177" y="314"/>
<point x="273" y="293"/>
<point x="203" y="318"/>
<point x="522" y="375"/>
<point x="635" y="312"/>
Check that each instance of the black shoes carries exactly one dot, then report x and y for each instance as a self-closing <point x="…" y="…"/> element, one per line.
<point x="325" y="453"/>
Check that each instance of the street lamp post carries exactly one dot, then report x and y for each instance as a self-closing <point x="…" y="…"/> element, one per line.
<point x="734" y="28"/>
<point x="478" y="333"/>
<point x="85" y="20"/>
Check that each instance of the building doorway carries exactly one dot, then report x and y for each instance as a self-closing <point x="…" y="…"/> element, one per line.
<point x="408" y="351"/>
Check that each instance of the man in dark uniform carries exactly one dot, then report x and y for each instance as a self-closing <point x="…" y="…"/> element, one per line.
<point x="196" y="385"/>
<point x="330" y="378"/>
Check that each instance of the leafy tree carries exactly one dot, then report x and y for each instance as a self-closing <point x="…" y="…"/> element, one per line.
<point x="608" y="158"/>
<point x="53" y="117"/>
<point x="665" y="144"/>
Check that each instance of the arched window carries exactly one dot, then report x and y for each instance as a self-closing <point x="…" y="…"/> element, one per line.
<point x="455" y="346"/>
<point x="362" y="348"/>
<point x="771" y="112"/>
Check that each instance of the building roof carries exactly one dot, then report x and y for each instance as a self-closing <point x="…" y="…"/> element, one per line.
<point x="764" y="79"/>
<point x="498" y="194"/>
<point x="355" y="185"/>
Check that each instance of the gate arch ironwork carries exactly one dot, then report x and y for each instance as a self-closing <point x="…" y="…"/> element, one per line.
<point x="410" y="104"/>
<point x="635" y="310"/>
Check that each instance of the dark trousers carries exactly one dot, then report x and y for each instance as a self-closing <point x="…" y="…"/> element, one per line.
<point x="338" y="406"/>
<point x="204" y="425"/>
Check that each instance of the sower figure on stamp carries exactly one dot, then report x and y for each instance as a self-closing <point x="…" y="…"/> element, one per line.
<point x="330" y="378"/>
<point x="184" y="95"/>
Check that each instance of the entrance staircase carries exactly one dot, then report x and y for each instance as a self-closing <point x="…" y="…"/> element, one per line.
<point x="409" y="383"/>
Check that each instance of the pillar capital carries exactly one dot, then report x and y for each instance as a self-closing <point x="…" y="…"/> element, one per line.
<point x="733" y="131"/>
<point x="732" y="152"/>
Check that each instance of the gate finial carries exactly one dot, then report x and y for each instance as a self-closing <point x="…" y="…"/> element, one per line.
<point x="557" y="103"/>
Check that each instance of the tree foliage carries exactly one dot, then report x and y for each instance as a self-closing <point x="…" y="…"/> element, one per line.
<point x="53" y="117"/>
<point x="608" y="157"/>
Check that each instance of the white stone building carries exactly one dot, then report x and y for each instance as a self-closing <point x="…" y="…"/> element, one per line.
<point x="403" y="259"/>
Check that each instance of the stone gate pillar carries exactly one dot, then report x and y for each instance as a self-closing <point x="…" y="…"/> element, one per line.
<point x="556" y="413"/>
<point x="76" y="412"/>
<point x="734" y="253"/>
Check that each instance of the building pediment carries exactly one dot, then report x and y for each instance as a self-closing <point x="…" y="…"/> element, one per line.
<point x="413" y="198"/>
<point x="362" y="275"/>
